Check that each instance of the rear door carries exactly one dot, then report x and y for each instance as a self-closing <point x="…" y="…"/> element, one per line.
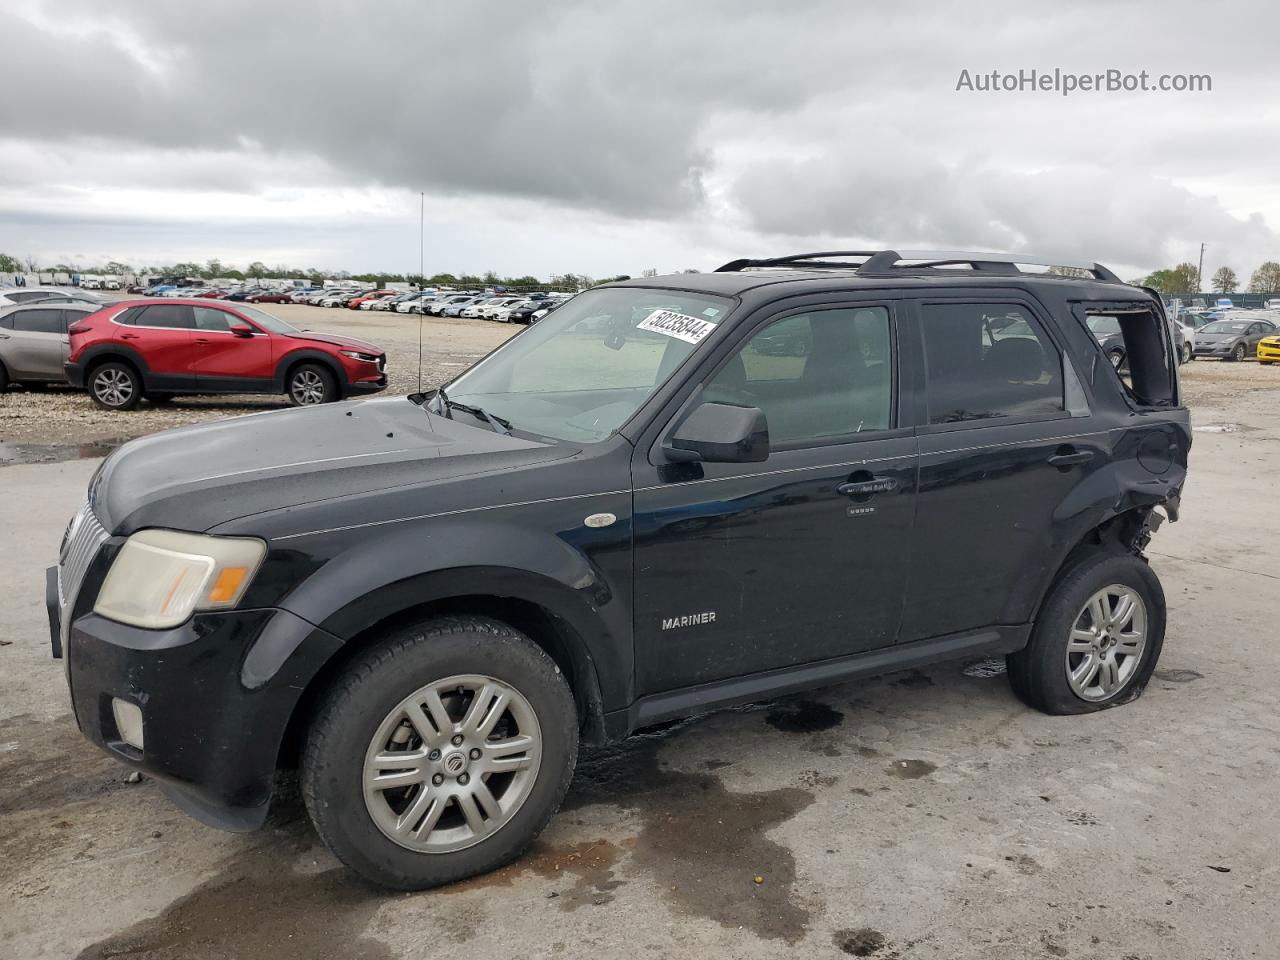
<point x="162" y="334"/>
<point x="1005" y="435"/>
<point x="37" y="343"/>
<point x="224" y="361"/>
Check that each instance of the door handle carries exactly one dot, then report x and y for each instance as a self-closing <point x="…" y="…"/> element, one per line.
<point x="202" y="339"/>
<point x="128" y="336"/>
<point x="1071" y="456"/>
<point x="863" y="488"/>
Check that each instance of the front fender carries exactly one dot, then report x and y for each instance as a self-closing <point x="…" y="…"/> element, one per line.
<point x="580" y="575"/>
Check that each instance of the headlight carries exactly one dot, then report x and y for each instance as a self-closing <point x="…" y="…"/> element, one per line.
<point x="357" y="355"/>
<point x="161" y="577"/>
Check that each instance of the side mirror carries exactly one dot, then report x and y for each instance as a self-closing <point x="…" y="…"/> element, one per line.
<point x="721" y="433"/>
<point x="242" y="330"/>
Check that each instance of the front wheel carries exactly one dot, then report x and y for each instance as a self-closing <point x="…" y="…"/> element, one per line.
<point x="1186" y="353"/>
<point x="1238" y="354"/>
<point x="310" y="384"/>
<point x="441" y="753"/>
<point x="1097" y="638"/>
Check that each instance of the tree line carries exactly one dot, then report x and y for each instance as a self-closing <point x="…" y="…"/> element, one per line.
<point x="1184" y="280"/>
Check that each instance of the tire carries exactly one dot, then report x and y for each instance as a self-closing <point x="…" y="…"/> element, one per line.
<point x="1238" y="353"/>
<point x="310" y="384"/>
<point x="115" y="386"/>
<point x="4" y="378"/>
<point x="364" y="713"/>
<point x="1186" y="353"/>
<point x="1116" y="358"/>
<point x="1039" y="673"/>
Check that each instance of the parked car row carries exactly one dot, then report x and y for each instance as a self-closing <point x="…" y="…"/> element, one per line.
<point x="134" y="349"/>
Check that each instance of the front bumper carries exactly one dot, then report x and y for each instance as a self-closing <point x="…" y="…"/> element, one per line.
<point x="216" y="696"/>
<point x="1269" y="351"/>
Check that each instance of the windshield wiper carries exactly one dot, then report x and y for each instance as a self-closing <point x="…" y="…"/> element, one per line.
<point x="447" y="406"/>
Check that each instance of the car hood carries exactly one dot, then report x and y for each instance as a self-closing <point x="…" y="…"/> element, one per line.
<point x="197" y="477"/>
<point x="350" y="343"/>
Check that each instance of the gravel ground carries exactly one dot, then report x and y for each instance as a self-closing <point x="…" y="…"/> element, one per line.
<point x="62" y="416"/>
<point x="925" y="814"/>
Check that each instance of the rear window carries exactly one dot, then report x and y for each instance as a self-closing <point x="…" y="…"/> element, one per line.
<point x="39" y="320"/>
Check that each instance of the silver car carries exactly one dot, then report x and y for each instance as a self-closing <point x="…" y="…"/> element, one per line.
<point x="34" y="341"/>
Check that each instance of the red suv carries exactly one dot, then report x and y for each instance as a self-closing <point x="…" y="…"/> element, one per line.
<point x="142" y="348"/>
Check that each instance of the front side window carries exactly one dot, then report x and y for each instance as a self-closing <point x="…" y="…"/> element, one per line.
<point x="586" y="368"/>
<point x="988" y="361"/>
<point x="817" y="376"/>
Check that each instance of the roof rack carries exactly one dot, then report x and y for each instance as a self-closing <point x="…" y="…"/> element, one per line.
<point x="918" y="261"/>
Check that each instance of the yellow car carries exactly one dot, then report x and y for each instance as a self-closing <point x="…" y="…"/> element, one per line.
<point x="1269" y="350"/>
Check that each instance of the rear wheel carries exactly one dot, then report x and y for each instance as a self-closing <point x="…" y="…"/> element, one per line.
<point x="115" y="386"/>
<point x="441" y="754"/>
<point x="1186" y="353"/>
<point x="310" y="384"/>
<point x="1097" y="638"/>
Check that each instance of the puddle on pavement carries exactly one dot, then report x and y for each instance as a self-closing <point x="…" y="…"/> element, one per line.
<point x="257" y="907"/>
<point x="911" y="769"/>
<point x="1178" y="676"/>
<point x="802" y="716"/>
<point x="703" y="844"/>
<point x="12" y="454"/>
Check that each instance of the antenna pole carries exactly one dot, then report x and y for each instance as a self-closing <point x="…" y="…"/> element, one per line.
<point x="422" y="260"/>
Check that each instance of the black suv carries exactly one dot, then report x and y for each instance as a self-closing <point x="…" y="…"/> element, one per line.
<point x="670" y="495"/>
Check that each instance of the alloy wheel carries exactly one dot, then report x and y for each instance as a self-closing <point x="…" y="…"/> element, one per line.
<point x="113" y="387"/>
<point x="307" y="387"/>
<point x="452" y="764"/>
<point x="1106" y="643"/>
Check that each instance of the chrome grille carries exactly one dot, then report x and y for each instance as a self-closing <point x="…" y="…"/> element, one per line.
<point x="84" y="537"/>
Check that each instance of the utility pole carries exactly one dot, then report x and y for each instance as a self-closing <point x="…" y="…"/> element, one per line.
<point x="1200" y="269"/>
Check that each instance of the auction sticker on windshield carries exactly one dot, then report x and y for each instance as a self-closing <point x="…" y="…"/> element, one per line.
<point x="671" y="324"/>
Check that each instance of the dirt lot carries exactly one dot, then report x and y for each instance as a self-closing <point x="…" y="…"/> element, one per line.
<point x="63" y="417"/>
<point x="923" y="814"/>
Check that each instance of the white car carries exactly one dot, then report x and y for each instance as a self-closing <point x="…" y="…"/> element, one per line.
<point x="488" y="311"/>
<point x="477" y="310"/>
<point x="503" y="314"/>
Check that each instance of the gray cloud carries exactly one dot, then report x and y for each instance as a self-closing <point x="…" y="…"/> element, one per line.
<point x="734" y="121"/>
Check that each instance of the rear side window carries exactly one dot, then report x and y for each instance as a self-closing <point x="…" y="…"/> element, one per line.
<point x="1134" y="346"/>
<point x="989" y="361"/>
<point x="216" y="321"/>
<point x="129" y="316"/>
<point x="176" y="316"/>
<point x="39" y="320"/>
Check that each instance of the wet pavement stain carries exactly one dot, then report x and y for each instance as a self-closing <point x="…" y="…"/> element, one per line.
<point x="911" y="769"/>
<point x="913" y="680"/>
<point x="862" y="942"/>
<point x="1178" y="676"/>
<point x="589" y="865"/>
<point x="703" y="844"/>
<point x="46" y="763"/>
<point x="803" y="716"/>
<point x="257" y="907"/>
<point x="17" y="453"/>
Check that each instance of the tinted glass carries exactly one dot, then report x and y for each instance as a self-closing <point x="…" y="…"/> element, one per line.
<point x="22" y="296"/>
<point x="816" y="376"/>
<point x="988" y="361"/>
<point x="39" y="320"/>
<point x="218" y="321"/>
<point x="176" y="316"/>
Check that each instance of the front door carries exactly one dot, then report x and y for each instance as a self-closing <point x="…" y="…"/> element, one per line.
<point x="741" y="568"/>
<point x="225" y="361"/>
<point x="161" y="333"/>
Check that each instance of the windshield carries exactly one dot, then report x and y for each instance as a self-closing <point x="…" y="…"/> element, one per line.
<point x="1225" y="326"/>
<point x="1103" y="325"/>
<point x="266" y="320"/>
<point x="588" y="366"/>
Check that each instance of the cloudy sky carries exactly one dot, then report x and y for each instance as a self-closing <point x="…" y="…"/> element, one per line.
<point x="604" y="137"/>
